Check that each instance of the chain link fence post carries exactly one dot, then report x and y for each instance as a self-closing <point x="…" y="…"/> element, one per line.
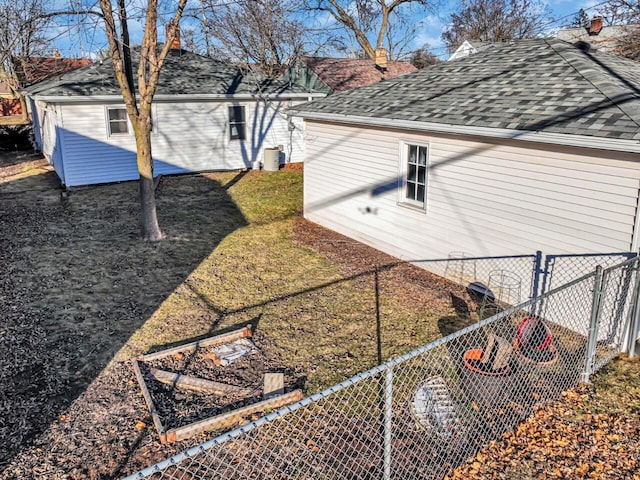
<point x="388" y="416"/>
<point x="635" y="315"/>
<point x="537" y="270"/>
<point x="592" y="335"/>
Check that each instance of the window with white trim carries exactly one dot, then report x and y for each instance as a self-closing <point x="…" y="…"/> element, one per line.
<point x="237" y="123"/>
<point x="117" y="121"/>
<point x="415" y="162"/>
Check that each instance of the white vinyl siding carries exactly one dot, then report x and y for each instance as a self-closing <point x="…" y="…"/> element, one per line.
<point x="484" y="197"/>
<point x="187" y="137"/>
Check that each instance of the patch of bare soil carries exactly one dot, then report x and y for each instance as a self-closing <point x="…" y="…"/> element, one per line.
<point x="13" y="164"/>
<point x="75" y="284"/>
<point x="293" y="167"/>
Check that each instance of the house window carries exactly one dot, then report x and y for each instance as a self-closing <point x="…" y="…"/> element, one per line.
<point x="415" y="163"/>
<point x="236" y="123"/>
<point x="117" y="121"/>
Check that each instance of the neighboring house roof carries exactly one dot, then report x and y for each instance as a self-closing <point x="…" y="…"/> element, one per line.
<point x="470" y="47"/>
<point x="341" y="74"/>
<point x="543" y="86"/>
<point x="183" y="73"/>
<point x="36" y="69"/>
<point x="606" y="39"/>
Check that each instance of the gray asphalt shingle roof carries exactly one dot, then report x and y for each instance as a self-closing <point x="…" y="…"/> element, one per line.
<point x="182" y="73"/>
<point x="532" y="85"/>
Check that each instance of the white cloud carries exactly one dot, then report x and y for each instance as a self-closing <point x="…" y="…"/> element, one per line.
<point x="430" y="33"/>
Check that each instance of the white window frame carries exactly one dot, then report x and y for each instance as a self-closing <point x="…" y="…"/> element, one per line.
<point x="107" y="109"/>
<point x="129" y="132"/>
<point x="243" y="123"/>
<point x="403" y="171"/>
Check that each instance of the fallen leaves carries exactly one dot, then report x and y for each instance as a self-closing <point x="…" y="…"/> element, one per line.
<point x="593" y="432"/>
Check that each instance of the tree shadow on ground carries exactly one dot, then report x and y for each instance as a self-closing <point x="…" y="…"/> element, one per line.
<point x="76" y="282"/>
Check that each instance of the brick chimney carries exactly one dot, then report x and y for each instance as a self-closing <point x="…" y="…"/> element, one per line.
<point x="175" y="45"/>
<point x="381" y="59"/>
<point x="595" y="26"/>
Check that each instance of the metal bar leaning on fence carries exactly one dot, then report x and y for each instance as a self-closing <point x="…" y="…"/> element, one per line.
<point x="592" y="336"/>
<point x="634" y="322"/>
<point x="388" y="417"/>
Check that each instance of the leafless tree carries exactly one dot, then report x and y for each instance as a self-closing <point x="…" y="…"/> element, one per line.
<point x="22" y="35"/>
<point x="138" y="100"/>
<point x="495" y="21"/>
<point x="368" y="21"/>
<point x="265" y="34"/>
<point x="423" y="57"/>
<point x="627" y="13"/>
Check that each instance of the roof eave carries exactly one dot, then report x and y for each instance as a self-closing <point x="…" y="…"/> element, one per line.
<point x="175" y="97"/>
<point x="600" y="143"/>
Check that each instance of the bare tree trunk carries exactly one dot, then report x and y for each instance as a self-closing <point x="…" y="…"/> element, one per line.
<point x="149" y="221"/>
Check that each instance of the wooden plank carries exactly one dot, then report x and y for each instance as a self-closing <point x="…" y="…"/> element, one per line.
<point x="229" y="419"/>
<point x="147" y="397"/>
<point x="206" y="342"/>
<point x="273" y="385"/>
<point x="195" y="384"/>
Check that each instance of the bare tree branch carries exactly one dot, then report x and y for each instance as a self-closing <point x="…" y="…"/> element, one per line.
<point x="265" y="34"/>
<point x="367" y="21"/>
<point x="495" y="21"/>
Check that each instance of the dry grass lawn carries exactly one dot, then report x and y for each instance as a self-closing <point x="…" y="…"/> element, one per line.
<point x="81" y="295"/>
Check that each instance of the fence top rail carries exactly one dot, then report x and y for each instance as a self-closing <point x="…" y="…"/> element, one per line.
<point x="630" y="261"/>
<point x="455" y="259"/>
<point x="629" y="255"/>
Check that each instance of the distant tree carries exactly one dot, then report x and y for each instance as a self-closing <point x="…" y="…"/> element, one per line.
<point x="581" y="19"/>
<point x="265" y="34"/>
<point x="619" y="12"/>
<point x="138" y="100"/>
<point x="369" y="21"/>
<point x="423" y="58"/>
<point x="495" y="21"/>
<point x="626" y="13"/>
<point x="23" y="25"/>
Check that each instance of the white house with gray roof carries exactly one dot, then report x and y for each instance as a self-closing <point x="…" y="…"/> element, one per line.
<point x="207" y="115"/>
<point x="529" y="145"/>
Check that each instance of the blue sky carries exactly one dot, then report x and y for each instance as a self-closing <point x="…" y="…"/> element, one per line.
<point x="70" y="43"/>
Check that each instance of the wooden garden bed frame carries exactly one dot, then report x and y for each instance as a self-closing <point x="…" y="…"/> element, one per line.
<point x="223" y="420"/>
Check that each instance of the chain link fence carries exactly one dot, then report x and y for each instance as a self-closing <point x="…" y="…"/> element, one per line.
<point x="509" y="278"/>
<point x="560" y="269"/>
<point x="420" y="415"/>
